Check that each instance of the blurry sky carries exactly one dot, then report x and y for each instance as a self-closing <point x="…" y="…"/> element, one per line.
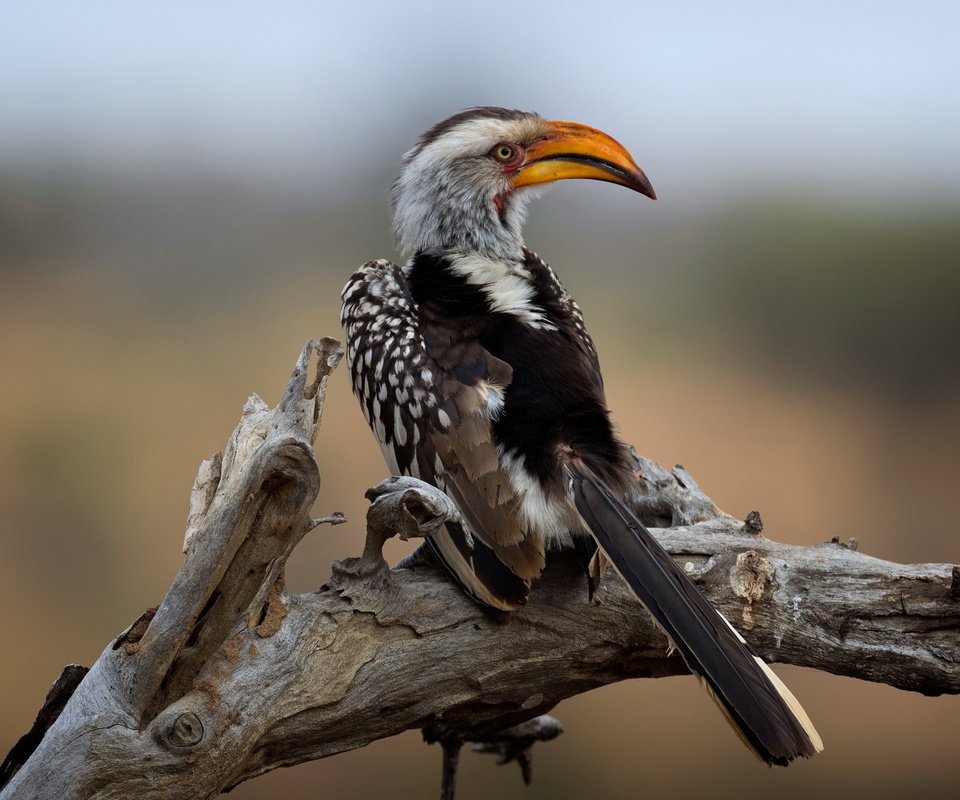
<point x="184" y="187"/>
<point x="845" y="98"/>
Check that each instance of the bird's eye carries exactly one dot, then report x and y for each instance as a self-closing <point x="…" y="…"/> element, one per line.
<point x="507" y="153"/>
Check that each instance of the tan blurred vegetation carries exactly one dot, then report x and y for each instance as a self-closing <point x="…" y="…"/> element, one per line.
<point x="797" y="358"/>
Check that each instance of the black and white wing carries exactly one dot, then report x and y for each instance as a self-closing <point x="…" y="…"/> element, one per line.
<point x="429" y="396"/>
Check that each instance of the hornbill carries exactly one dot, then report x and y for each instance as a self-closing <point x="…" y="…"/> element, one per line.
<point x="476" y="374"/>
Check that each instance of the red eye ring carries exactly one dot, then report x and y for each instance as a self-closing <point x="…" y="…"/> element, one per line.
<point x="507" y="154"/>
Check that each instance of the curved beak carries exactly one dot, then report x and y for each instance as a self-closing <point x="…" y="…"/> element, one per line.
<point x="572" y="150"/>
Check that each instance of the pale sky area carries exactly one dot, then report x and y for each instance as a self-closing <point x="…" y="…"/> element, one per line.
<point x="845" y="99"/>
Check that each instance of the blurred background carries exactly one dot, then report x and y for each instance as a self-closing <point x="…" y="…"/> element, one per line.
<point x="184" y="190"/>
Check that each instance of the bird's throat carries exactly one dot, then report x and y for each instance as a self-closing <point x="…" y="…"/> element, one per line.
<point x="500" y="203"/>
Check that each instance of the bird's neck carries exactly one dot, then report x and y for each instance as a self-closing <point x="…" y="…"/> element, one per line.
<point x="429" y="215"/>
<point x="459" y="283"/>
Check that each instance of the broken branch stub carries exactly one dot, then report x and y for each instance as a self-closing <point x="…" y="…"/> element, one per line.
<point x="257" y="512"/>
<point x="248" y="509"/>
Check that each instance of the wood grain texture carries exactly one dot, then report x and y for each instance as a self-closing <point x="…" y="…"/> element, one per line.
<point x="232" y="676"/>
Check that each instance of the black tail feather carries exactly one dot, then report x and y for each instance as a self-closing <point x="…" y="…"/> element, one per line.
<point x="758" y="705"/>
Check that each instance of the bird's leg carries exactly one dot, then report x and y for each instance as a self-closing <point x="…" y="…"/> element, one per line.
<point x="594" y="562"/>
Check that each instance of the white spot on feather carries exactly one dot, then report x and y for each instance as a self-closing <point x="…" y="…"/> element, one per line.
<point x="492" y="397"/>
<point x="399" y="430"/>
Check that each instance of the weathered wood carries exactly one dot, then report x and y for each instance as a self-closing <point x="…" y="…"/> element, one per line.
<point x="57" y="697"/>
<point x="232" y="676"/>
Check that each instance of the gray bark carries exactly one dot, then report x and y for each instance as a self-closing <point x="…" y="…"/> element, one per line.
<point x="232" y="676"/>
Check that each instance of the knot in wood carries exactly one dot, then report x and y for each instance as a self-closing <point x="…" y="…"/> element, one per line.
<point x="751" y="575"/>
<point x="753" y="524"/>
<point x="186" y="731"/>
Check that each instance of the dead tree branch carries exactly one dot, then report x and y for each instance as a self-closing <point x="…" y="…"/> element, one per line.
<point x="231" y="676"/>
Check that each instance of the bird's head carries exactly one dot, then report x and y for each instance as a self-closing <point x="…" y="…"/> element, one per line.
<point x="466" y="183"/>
